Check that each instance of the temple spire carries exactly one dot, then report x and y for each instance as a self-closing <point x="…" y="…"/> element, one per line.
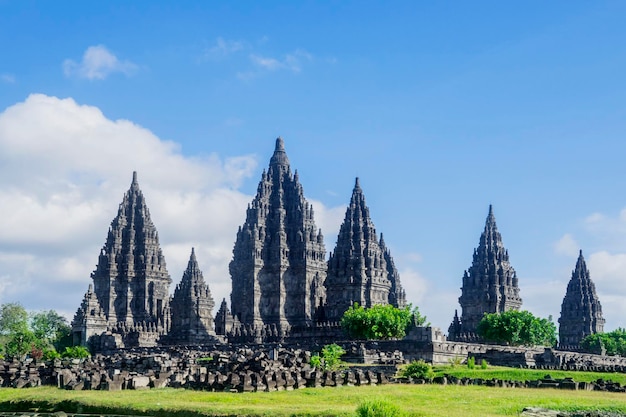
<point x="581" y="311"/>
<point x="490" y="285"/>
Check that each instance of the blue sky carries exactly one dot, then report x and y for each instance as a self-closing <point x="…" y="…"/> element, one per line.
<point x="440" y="108"/>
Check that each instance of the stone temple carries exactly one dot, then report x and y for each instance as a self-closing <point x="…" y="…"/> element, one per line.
<point x="279" y="270"/>
<point x="279" y="260"/>
<point x="581" y="312"/>
<point x="360" y="269"/>
<point x="489" y="286"/>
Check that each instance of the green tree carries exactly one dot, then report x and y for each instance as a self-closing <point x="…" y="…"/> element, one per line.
<point x="13" y="317"/>
<point x="517" y="328"/>
<point x="52" y="328"/>
<point x="614" y="343"/>
<point x="380" y="321"/>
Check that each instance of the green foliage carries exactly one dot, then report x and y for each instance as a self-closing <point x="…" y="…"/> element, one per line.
<point x="51" y="327"/>
<point x="471" y="362"/>
<point x="330" y="358"/>
<point x="455" y="361"/>
<point x="13" y="318"/>
<point x="204" y="360"/>
<point x="380" y="321"/>
<point x="50" y="354"/>
<point x="418" y="369"/>
<point x="483" y="364"/>
<point x="379" y="408"/>
<point x="75" y="352"/>
<point x="316" y="361"/>
<point x="517" y="328"/>
<point x="613" y="342"/>
<point x="20" y="342"/>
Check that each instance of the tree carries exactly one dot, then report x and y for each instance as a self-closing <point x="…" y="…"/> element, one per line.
<point x="51" y="327"/>
<point x="13" y="317"/>
<point x="517" y="328"/>
<point x="380" y="321"/>
<point x="614" y="343"/>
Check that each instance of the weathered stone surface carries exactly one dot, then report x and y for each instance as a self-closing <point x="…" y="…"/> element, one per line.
<point x="581" y="312"/>
<point x="131" y="282"/>
<point x="489" y="286"/>
<point x="279" y="259"/>
<point x="192" y="308"/>
<point x="360" y="270"/>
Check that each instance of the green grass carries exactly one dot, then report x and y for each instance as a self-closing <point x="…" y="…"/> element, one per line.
<point x="417" y="400"/>
<point x="514" y="374"/>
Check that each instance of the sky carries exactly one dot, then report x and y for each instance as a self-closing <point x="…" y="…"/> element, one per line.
<point x="440" y="108"/>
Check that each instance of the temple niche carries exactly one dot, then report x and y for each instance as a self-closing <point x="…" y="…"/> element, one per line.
<point x="279" y="259"/>
<point x="581" y="312"/>
<point x="490" y="285"/>
<point x="360" y="269"/>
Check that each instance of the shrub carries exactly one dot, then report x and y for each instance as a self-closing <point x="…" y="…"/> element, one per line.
<point x="380" y="321"/>
<point x="204" y="360"/>
<point x="379" y="408"/>
<point x="76" y="352"/>
<point x="50" y="354"/>
<point x="455" y="361"/>
<point x="483" y="364"/>
<point x="418" y="369"/>
<point x="471" y="362"/>
<point x="329" y="359"/>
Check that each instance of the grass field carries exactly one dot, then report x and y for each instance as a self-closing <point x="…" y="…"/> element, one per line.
<point x="418" y="400"/>
<point x="514" y="374"/>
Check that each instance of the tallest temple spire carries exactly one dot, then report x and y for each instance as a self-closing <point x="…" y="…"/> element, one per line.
<point x="278" y="266"/>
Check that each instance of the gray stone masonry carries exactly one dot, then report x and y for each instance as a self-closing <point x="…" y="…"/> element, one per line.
<point x="360" y="269"/>
<point x="489" y="286"/>
<point x="279" y="259"/>
<point x="581" y="312"/>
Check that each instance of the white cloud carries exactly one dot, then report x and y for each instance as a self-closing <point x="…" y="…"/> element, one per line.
<point x="223" y="48"/>
<point x="64" y="168"/>
<point x="97" y="64"/>
<point x="567" y="245"/>
<point x="7" y="78"/>
<point x="292" y="62"/>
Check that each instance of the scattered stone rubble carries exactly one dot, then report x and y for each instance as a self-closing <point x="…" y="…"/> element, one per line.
<point x="241" y="369"/>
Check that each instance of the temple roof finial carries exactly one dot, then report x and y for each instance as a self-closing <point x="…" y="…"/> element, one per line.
<point x="280" y="156"/>
<point x="135" y="178"/>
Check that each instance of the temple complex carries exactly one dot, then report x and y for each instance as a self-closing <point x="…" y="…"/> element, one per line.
<point x="581" y="312"/>
<point x="489" y="286"/>
<point x="360" y="270"/>
<point x="283" y="288"/>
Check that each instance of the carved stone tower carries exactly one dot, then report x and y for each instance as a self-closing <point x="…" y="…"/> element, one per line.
<point x="581" y="312"/>
<point x="131" y="280"/>
<point x="489" y="286"/>
<point x="192" y="307"/>
<point x="279" y="260"/>
<point x="360" y="270"/>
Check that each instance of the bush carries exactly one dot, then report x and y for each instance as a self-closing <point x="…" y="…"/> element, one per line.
<point x="380" y="321"/>
<point x="204" y="360"/>
<point x="418" y="369"/>
<point x="76" y="352"/>
<point x="471" y="362"/>
<point x="50" y="354"/>
<point x="379" y="408"/>
<point x="483" y="364"/>
<point x="455" y="361"/>
<point x="329" y="359"/>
